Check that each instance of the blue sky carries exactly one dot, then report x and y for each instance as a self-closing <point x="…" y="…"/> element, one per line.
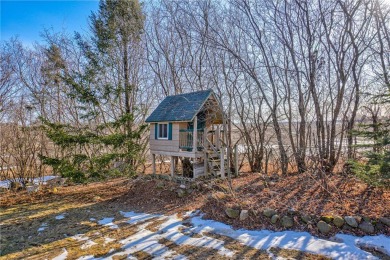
<point x="28" y="18"/>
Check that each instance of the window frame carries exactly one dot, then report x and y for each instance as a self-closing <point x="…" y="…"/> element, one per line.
<point x="158" y="131"/>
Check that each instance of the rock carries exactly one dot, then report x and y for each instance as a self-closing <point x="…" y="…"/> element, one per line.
<point x="338" y="221"/>
<point x="275" y="218"/>
<point x="269" y="212"/>
<point x="379" y="226"/>
<point x="287" y="222"/>
<point x="182" y="186"/>
<point x="347" y="228"/>
<point x="63" y="181"/>
<point x="327" y="219"/>
<point x="385" y="221"/>
<point x="15" y="185"/>
<point x="305" y="218"/>
<point x="232" y="213"/>
<point x="351" y="221"/>
<point x="292" y="212"/>
<point x="32" y="188"/>
<point x="367" y="227"/>
<point x="244" y="214"/>
<point x="160" y="185"/>
<point x="323" y="227"/>
<point x="180" y="193"/>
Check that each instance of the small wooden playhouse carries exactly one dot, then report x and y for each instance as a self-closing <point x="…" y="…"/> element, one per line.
<point x="189" y="127"/>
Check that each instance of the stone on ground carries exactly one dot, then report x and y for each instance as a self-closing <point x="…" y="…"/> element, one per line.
<point x="275" y="218"/>
<point x="338" y="221"/>
<point x="160" y="185"/>
<point x="351" y="221"/>
<point x="244" y="214"/>
<point x="385" y="221"/>
<point x="305" y="218"/>
<point x="327" y="219"/>
<point x="269" y="212"/>
<point x="287" y="222"/>
<point x="323" y="227"/>
<point x="232" y="213"/>
<point x="180" y="193"/>
<point x="367" y="227"/>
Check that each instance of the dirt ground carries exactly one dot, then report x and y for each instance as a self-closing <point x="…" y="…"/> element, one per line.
<point x="23" y="214"/>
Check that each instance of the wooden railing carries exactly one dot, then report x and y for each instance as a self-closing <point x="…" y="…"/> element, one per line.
<point x="186" y="139"/>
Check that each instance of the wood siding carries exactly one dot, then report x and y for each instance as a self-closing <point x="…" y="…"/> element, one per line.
<point x="165" y="145"/>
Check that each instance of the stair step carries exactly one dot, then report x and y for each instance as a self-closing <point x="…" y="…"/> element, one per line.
<point x="213" y="154"/>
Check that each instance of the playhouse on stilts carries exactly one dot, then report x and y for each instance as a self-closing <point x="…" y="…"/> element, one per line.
<point x="191" y="128"/>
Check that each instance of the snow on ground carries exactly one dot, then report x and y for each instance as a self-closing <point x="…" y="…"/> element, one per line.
<point x="87" y="244"/>
<point x="137" y="217"/>
<point x="82" y="238"/>
<point x="172" y="228"/>
<point x="62" y="256"/>
<point x="59" y="217"/>
<point x="42" y="227"/>
<point x="346" y="247"/>
<point x="108" y="223"/>
<point x="40" y="180"/>
<point x="108" y="240"/>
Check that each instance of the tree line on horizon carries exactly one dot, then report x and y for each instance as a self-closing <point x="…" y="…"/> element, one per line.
<point x="304" y="84"/>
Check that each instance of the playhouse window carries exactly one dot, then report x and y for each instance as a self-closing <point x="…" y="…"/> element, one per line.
<point x="162" y="131"/>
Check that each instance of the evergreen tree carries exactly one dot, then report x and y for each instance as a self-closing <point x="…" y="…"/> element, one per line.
<point x="105" y="95"/>
<point x="374" y="168"/>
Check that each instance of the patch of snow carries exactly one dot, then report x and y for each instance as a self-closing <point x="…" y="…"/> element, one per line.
<point x="108" y="223"/>
<point x="61" y="216"/>
<point x="147" y="241"/>
<point x="39" y="180"/>
<point x="303" y="241"/>
<point x="341" y="247"/>
<point x="42" y="227"/>
<point x="62" y="256"/>
<point x="92" y="219"/>
<point x="108" y="240"/>
<point x="80" y="237"/>
<point x="380" y="243"/>
<point x="87" y="257"/>
<point x="44" y="179"/>
<point x="137" y="217"/>
<point x="88" y="244"/>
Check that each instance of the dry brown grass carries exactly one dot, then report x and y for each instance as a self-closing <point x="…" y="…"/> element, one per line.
<point x="22" y="214"/>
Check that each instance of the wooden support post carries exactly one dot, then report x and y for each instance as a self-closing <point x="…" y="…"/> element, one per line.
<point x="217" y="135"/>
<point x="205" y="148"/>
<point x="236" y="159"/>
<point x="195" y="136"/>
<point x="172" y="166"/>
<point x="154" y="163"/>
<point x="222" y="168"/>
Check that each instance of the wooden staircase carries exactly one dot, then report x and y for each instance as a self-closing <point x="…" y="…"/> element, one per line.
<point x="215" y="160"/>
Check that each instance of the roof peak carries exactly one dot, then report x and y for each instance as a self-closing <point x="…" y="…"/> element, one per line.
<point x="194" y="92"/>
<point x="180" y="107"/>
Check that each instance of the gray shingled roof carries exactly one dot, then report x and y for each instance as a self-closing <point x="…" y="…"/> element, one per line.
<point x="181" y="107"/>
